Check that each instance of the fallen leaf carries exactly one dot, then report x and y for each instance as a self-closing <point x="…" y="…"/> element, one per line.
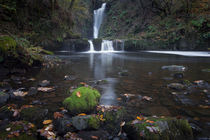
<point x="148" y="121"/>
<point x="122" y="124"/>
<point x="17" y="134"/>
<point x="204" y="107"/>
<point x="10" y="136"/>
<point x="46" y="89"/>
<point x="8" y="129"/>
<point x="16" y="112"/>
<point x="20" y="93"/>
<point x="58" y="115"/>
<point x="139" y="118"/>
<point x="78" y="94"/>
<point x="147" y="98"/>
<point x="119" y="99"/>
<point x="47" y="121"/>
<point x="94" y="137"/>
<point x="31" y="125"/>
<point x="82" y="114"/>
<point x="101" y="118"/>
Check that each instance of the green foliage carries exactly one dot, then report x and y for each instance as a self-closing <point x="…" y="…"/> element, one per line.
<point x="151" y="28"/>
<point x="87" y="102"/>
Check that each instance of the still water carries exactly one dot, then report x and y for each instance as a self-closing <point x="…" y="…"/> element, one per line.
<point x="144" y="77"/>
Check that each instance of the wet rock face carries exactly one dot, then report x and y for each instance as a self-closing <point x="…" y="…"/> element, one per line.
<point x="97" y="44"/>
<point x="63" y="125"/>
<point x="78" y="45"/>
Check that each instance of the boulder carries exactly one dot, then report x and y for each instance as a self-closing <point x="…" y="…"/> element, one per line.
<point x="97" y="44"/>
<point x="82" y="100"/>
<point x="34" y="114"/>
<point x="44" y="83"/>
<point x="158" y="128"/>
<point x="63" y="125"/>
<point x="86" y="122"/>
<point x="3" y="98"/>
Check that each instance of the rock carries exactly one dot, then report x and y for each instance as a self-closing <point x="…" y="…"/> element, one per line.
<point x="113" y="116"/>
<point x="174" y="68"/>
<point x="44" y="83"/>
<point x="4" y="97"/>
<point x="36" y="102"/>
<point x="86" y="122"/>
<point x="34" y="114"/>
<point x="178" y="75"/>
<point x="15" y="70"/>
<point x="124" y="73"/>
<point x="206" y="70"/>
<point x="99" y="82"/>
<point x="184" y="100"/>
<point x="3" y="71"/>
<point x="63" y="125"/>
<point x="195" y="128"/>
<point x="168" y="78"/>
<point x="96" y="134"/>
<point x="5" y="113"/>
<point x="82" y="100"/>
<point x="176" y="86"/>
<point x="158" y="128"/>
<point x="69" y="78"/>
<point x="32" y="91"/>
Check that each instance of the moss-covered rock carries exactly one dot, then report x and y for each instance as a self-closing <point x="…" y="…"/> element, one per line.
<point x="86" y="122"/>
<point x="94" y="122"/>
<point x="159" y="128"/>
<point x="82" y="100"/>
<point x="19" y="130"/>
<point x="7" y="44"/>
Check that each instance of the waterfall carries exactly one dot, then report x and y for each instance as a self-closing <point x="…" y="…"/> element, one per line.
<point x="98" y="18"/>
<point x="107" y="46"/>
<point x="91" y="46"/>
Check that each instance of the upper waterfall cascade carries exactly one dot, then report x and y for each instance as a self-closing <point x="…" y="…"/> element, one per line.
<point x="98" y="18"/>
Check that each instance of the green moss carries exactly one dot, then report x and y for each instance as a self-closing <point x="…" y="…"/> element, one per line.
<point x="87" y="102"/>
<point x="187" y="82"/>
<point x="7" y="44"/>
<point x="94" y="122"/>
<point x="1" y="93"/>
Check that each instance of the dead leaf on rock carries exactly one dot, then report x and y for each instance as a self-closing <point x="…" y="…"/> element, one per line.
<point x="78" y="94"/>
<point x="47" y="122"/>
<point x="122" y="124"/>
<point x="82" y="114"/>
<point x="20" y="93"/>
<point x="147" y="98"/>
<point x="16" y="113"/>
<point x="94" y="137"/>
<point x="46" y="89"/>
<point x="140" y="118"/>
<point x="57" y="115"/>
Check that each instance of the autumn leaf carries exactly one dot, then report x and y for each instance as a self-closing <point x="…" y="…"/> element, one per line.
<point x="10" y="136"/>
<point x="148" y="121"/>
<point x="31" y="125"/>
<point x="47" y="121"/>
<point x="101" y="118"/>
<point x="122" y="124"/>
<point x="82" y="114"/>
<point x="78" y="94"/>
<point x="16" y="134"/>
<point x="58" y="115"/>
<point x="16" y="112"/>
<point x="139" y="118"/>
<point x="94" y="137"/>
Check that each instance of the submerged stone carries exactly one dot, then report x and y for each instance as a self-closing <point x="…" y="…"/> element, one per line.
<point x="174" y="68"/>
<point x="44" y="83"/>
<point x="176" y="86"/>
<point x="82" y="100"/>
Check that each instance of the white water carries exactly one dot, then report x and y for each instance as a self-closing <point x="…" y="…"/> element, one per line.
<point x="184" y="53"/>
<point x="98" y="18"/>
<point x="91" y="46"/>
<point x="107" y="46"/>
